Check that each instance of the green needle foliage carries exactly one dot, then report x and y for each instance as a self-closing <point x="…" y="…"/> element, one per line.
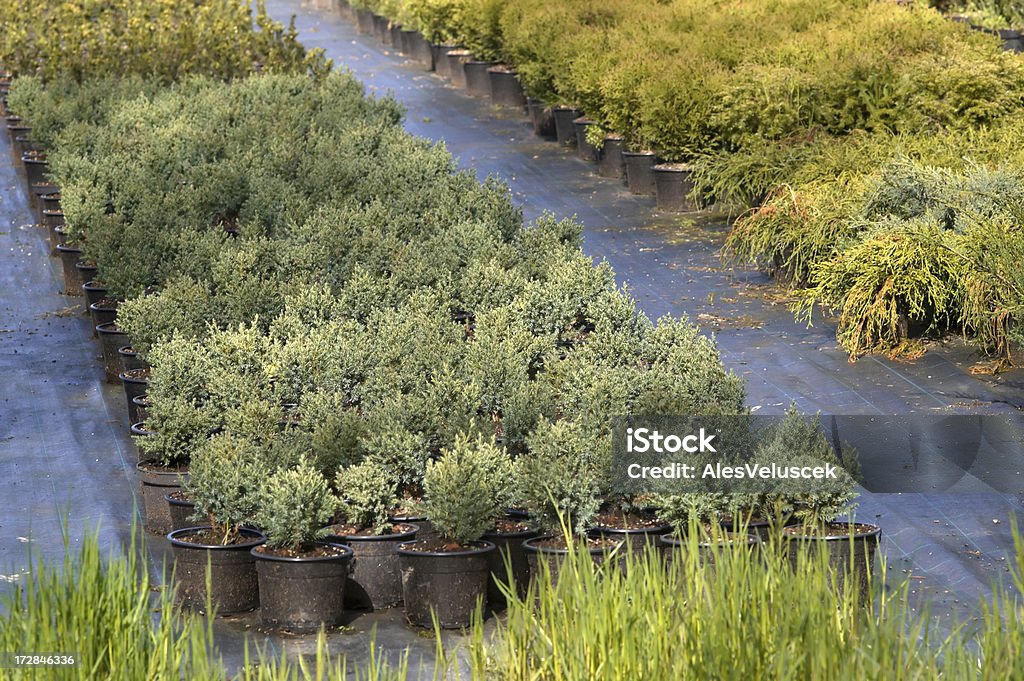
<point x="294" y="507"/>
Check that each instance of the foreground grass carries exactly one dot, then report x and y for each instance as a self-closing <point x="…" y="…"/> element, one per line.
<point x="748" y="615"/>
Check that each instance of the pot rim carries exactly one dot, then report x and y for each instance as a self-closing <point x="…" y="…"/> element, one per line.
<point x="109" y="328"/>
<point x="178" y="502"/>
<point x="483" y="547"/>
<point x="95" y="307"/>
<point x="397" y="536"/>
<point x="92" y="285"/>
<point x="513" y="535"/>
<point x="561" y="552"/>
<point x="138" y="429"/>
<point x="64" y="248"/>
<point x="257" y="539"/>
<point x="344" y="555"/>
<point x="131" y="379"/>
<point x="670" y="539"/>
<point x="653" y="529"/>
<point x="864" y="531"/>
<point x="639" y="153"/>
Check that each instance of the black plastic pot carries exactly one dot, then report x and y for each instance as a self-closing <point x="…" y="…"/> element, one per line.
<point x="142" y="405"/>
<point x="138" y="430"/>
<point x="234" y="586"/>
<point x="640" y="172"/>
<point x="634" y="540"/>
<point x="509" y="553"/>
<point x="584" y="149"/>
<point x="541" y="117"/>
<point x="111" y="338"/>
<point x="53" y="217"/>
<point x="478" y="80"/>
<point x="565" y="131"/>
<point x="130" y="359"/>
<point x="102" y="312"/>
<point x="375" y="581"/>
<point x="86" y="271"/>
<point x="506" y="91"/>
<point x="302" y="594"/>
<point x="406" y="40"/>
<point x="381" y="29"/>
<point x="95" y="291"/>
<point x="674" y="184"/>
<point x="135" y="383"/>
<point x="442" y="66"/>
<point x="49" y="201"/>
<point x="69" y="255"/>
<point x="611" y="163"/>
<point x="36" y="168"/>
<point x="425" y="529"/>
<point x="180" y="511"/>
<point x="420" y="51"/>
<point x="852" y="556"/>
<point x="364" y="21"/>
<point x="449" y="585"/>
<point x="156" y="482"/>
<point x="1012" y="40"/>
<point x="672" y="546"/>
<point x="457" y="66"/>
<point x="394" y="37"/>
<point x="553" y="557"/>
<point x="57" y="237"/>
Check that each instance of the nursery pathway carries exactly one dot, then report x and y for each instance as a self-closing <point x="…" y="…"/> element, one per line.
<point x="952" y="545"/>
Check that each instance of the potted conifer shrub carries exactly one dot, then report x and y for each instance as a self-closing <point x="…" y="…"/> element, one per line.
<point x="367" y="496"/>
<point x="696" y="522"/>
<point x="560" y="486"/>
<point x="301" y="578"/>
<point x="446" y="577"/>
<point x="850" y="546"/>
<point x="224" y="483"/>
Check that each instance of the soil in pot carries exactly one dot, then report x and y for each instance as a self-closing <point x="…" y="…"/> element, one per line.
<point x="375" y="581"/>
<point x="640" y="172"/>
<point x="584" y="149"/>
<point x="565" y="131"/>
<point x="135" y="382"/>
<point x="445" y="580"/>
<point x="156" y="482"/>
<point x="457" y="66"/>
<point x="111" y="338"/>
<point x="69" y="255"/>
<point x="611" y="163"/>
<point x="850" y="549"/>
<point x="180" y="509"/>
<point x="506" y="91"/>
<point x="552" y="550"/>
<point x="301" y="592"/>
<point x="234" y="586"/>
<point x="478" y="80"/>
<point x="674" y="184"/>
<point x="508" y="538"/>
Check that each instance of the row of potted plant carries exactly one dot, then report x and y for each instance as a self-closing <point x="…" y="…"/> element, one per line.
<point x="190" y="398"/>
<point x="369" y="360"/>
